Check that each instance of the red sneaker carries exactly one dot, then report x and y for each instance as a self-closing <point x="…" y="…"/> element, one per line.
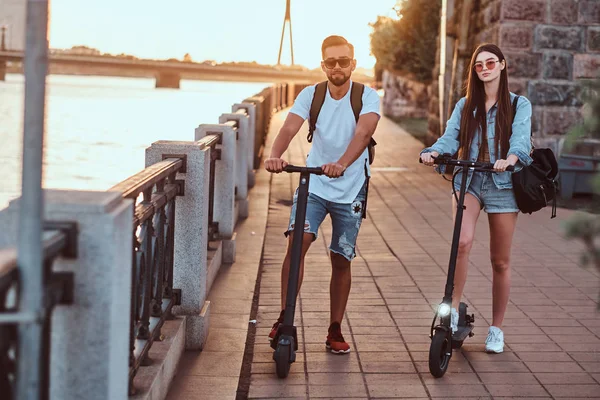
<point x="335" y="341"/>
<point x="275" y="326"/>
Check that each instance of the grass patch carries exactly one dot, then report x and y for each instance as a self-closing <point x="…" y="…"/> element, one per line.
<point x="417" y="127"/>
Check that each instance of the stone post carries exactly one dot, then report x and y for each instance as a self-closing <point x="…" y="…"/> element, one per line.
<point x="260" y="127"/>
<point x="241" y="171"/>
<point x="190" y="270"/>
<point x="251" y="111"/>
<point x="90" y="338"/>
<point x="224" y="197"/>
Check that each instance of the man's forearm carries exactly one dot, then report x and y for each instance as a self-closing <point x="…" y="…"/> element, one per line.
<point x="356" y="147"/>
<point x="280" y="145"/>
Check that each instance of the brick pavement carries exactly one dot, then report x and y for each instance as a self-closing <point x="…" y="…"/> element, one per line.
<point x="552" y="330"/>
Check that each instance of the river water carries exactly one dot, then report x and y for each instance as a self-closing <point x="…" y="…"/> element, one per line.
<point x="97" y="128"/>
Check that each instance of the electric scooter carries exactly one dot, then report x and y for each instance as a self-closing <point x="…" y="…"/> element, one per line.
<point x="285" y="342"/>
<point x="443" y="341"/>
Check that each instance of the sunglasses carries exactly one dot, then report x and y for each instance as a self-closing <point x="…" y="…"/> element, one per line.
<point x="489" y="64"/>
<point x="331" y="62"/>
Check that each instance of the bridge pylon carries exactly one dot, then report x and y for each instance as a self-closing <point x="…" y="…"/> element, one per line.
<point x="286" y="19"/>
<point x="3" y="39"/>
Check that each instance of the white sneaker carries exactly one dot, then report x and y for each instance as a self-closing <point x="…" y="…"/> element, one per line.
<point x="495" y="340"/>
<point x="454" y="320"/>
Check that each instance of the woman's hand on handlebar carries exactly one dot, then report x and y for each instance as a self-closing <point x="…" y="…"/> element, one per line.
<point x="501" y="165"/>
<point x="333" y="170"/>
<point x="275" y="165"/>
<point x="427" y="158"/>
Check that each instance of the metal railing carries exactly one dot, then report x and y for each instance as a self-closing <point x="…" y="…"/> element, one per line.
<point x="267" y="102"/>
<point x="154" y="189"/>
<point x="60" y="239"/>
<point x="212" y="141"/>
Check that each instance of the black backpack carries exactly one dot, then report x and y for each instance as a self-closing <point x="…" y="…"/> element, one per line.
<point x="535" y="185"/>
<point x="356" y="102"/>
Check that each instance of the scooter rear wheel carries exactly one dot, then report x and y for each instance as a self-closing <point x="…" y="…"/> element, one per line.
<point x="282" y="360"/>
<point x="439" y="354"/>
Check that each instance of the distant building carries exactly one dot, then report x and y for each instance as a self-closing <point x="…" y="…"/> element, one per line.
<point x="12" y="16"/>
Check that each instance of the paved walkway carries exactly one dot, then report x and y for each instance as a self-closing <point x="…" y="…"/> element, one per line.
<point x="552" y="330"/>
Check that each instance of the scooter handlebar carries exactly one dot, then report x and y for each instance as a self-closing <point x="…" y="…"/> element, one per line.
<point x="445" y="159"/>
<point x="310" y="170"/>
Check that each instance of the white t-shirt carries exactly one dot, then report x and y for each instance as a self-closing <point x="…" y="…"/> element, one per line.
<point x="334" y="131"/>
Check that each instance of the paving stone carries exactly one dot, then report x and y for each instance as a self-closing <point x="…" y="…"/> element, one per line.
<point x="552" y="334"/>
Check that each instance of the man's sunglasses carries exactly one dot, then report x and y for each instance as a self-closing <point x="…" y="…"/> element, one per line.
<point x="489" y="64"/>
<point x="331" y="62"/>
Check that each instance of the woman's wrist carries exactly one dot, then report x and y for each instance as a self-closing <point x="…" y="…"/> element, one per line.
<point x="512" y="159"/>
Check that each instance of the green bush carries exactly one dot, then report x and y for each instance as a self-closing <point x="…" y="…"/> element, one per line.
<point x="408" y="45"/>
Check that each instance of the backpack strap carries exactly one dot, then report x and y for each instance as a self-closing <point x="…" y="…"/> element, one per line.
<point x="356" y="98"/>
<point x="356" y="102"/>
<point x="315" y="108"/>
<point x="319" y="98"/>
<point x="514" y="106"/>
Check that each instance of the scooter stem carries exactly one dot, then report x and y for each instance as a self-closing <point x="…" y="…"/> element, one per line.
<point x="456" y="238"/>
<point x="296" y="255"/>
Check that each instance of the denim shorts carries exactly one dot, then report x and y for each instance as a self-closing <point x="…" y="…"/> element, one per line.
<point x="345" y="220"/>
<point x="491" y="199"/>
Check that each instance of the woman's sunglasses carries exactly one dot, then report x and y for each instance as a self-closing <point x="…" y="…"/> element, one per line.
<point x="331" y="62"/>
<point x="489" y="64"/>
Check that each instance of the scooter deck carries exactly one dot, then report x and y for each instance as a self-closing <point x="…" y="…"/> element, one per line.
<point x="462" y="332"/>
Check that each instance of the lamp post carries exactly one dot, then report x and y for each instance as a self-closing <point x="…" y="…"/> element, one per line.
<point x="32" y="374"/>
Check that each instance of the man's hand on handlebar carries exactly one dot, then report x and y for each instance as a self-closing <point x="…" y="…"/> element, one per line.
<point x="427" y="158"/>
<point x="333" y="170"/>
<point x="501" y="165"/>
<point x="275" y="165"/>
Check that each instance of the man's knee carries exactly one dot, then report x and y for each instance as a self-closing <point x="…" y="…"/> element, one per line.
<point x="306" y="242"/>
<point x="339" y="262"/>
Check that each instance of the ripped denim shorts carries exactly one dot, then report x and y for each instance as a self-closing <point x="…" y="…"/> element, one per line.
<point x="345" y="220"/>
<point x="491" y="199"/>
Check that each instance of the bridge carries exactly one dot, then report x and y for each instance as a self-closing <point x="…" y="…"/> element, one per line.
<point x="168" y="74"/>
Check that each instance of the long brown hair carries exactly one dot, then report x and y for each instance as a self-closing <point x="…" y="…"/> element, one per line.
<point x="475" y="100"/>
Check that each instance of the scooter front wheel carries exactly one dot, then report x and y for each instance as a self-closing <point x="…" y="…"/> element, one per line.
<point x="439" y="353"/>
<point x="282" y="360"/>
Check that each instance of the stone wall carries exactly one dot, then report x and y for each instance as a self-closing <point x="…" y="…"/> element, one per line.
<point x="550" y="46"/>
<point x="404" y="98"/>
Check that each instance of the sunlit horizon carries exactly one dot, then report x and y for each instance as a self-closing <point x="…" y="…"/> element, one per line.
<point x="228" y="31"/>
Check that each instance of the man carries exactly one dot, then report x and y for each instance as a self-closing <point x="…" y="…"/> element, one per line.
<point x="339" y="147"/>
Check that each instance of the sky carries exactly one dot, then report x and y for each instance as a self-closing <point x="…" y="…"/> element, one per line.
<point x="219" y="30"/>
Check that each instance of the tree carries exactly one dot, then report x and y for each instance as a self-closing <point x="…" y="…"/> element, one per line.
<point x="583" y="226"/>
<point x="408" y="45"/>
<point x="384" y="41"/>
<point x="418" y="29"/>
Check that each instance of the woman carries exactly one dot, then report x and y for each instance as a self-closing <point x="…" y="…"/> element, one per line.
<point x="482" y="128"/>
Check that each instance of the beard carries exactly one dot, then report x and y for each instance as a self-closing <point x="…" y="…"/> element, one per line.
<point x="338" y="79"/>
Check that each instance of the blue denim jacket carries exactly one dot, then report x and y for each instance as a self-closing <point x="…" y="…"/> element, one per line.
<point x="520" y="140"/>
